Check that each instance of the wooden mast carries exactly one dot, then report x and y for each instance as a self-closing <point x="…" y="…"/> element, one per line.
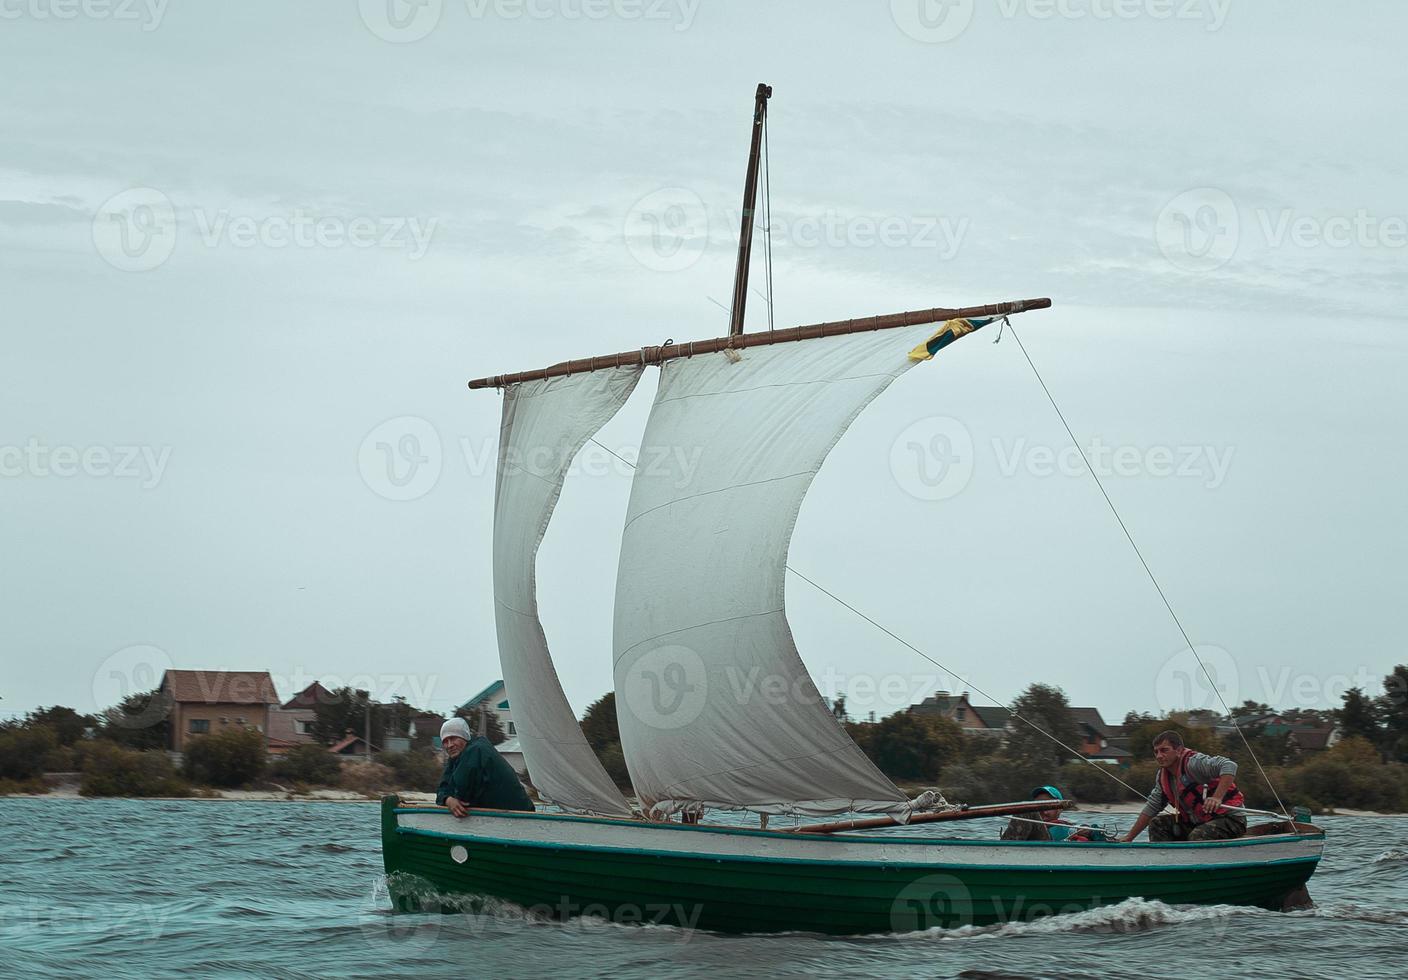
<point x="750" y="198"/>
<point x="658" y="355"/>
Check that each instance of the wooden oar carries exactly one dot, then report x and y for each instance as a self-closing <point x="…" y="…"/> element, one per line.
<point x="964" y="813"/>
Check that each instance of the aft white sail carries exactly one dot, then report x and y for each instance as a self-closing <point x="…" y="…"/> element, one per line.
<point x="714" y="704"/>
<point x="545" y="424"/>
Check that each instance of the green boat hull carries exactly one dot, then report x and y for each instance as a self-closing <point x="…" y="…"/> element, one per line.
<point x="758" y="894"/>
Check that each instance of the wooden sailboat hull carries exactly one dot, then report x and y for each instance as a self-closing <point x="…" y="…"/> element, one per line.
<point x="736" y="880"/>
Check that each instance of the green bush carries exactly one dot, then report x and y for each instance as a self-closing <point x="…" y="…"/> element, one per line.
<point x="1081" y="782"/>
<point x="111" y="770"/>
<point x="228" y="758"/>
<point x="22" y="752"/>
<point x="1327" y="782"/>
<point x="312" y="764"/>
<point x="417" y="770"/>
<point x="63" y="758"/>
<point x="613" y="760"/>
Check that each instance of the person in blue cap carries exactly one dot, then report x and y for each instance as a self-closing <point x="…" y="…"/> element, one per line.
<point x="1044" y="824"/>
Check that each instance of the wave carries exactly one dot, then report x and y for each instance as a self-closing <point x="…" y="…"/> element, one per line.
<point x="1353" y="912"/>
<point x="1395" y="855"/>
<point x="1131" y="915"/>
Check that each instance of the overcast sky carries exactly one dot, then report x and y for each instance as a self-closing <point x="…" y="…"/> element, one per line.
<point x="250" y="253"/>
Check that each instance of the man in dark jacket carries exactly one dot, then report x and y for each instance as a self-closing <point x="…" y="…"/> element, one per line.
<point x="475" y="774"/>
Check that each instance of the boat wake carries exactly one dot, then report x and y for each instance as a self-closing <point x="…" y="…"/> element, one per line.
<point x="1131" y="915"/>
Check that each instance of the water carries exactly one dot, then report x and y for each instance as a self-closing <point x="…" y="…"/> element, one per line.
<point x="140" y="888"/>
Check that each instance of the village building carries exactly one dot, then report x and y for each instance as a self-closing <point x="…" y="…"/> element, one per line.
<point x="205" y="702"/>
<point x="291" y="723"/>
<point x="1099" y="742"/>
<point x="494" y="700"/>
<point x="974" y="719"/>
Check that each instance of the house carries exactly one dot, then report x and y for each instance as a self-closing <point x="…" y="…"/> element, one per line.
<point x="1306" y="739"/>
<point x="512" y="752"/>
<point x="351" y="746"/>
<point x="494" y="699"/>
<point x="974" y="719"/>
<point x="207" y="701"/>
<point x="291" y="723"/>
<point x="1099" y="742"/>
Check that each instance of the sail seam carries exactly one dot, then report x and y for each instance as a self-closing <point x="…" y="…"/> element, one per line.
<point x="673" y="787"/>
<point x="786" y="384"/>
<point x="693" y="626"/>
<point x="706" y="493"/>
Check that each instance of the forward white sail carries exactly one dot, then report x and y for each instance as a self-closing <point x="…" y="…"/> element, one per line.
<point x="545" y="424"/>
<point x="714" y="704"/>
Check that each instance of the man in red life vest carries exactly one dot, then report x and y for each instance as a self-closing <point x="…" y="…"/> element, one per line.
<point x="1199" y="787"/>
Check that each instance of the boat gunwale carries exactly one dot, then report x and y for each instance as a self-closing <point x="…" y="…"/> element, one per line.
<point x="606" y="849"/>
<point x="1319" y="835"/>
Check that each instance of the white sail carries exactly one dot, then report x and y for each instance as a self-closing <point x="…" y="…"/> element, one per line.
<point x="714" y="704"/>
<point x="545" y="424"/>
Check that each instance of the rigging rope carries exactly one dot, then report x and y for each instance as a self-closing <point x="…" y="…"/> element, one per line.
<point x="952" y="673"/>
<point x="1148" y="571"/>
<point x="767" y="213"/>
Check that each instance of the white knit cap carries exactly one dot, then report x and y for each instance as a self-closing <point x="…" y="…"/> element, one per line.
<point x="457" y="727"/>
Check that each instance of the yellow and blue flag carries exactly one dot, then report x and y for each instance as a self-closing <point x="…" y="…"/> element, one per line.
<point x="947" y="334"/>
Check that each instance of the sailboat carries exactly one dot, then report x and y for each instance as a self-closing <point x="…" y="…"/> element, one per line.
<point x="700" y="605"/>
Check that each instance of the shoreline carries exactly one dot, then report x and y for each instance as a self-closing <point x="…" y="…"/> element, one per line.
<point x="348" y="796"/>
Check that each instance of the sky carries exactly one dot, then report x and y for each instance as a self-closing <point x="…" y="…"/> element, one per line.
<point x="251" y="253"/>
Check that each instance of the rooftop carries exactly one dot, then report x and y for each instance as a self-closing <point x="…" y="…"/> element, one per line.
<point x="220" y="686"/>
